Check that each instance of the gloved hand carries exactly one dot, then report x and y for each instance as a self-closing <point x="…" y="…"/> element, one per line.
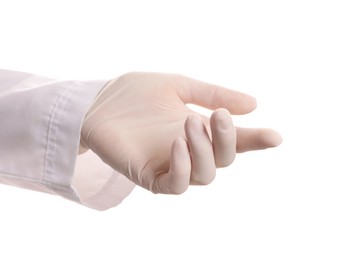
<point x="140" y="126"/>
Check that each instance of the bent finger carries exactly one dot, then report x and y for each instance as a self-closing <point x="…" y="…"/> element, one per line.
<point x="203" y="165"/>
<point x="223" y="137"/>
<point x="177" y="180"/>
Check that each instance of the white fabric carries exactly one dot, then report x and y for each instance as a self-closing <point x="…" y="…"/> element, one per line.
<point x="40" y="124"/>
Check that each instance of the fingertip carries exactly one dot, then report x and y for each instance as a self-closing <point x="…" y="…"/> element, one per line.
<point x="249" y="104"/>
<point x="221" y="116"/>
<point x="193" y="118"/>
<point x="180" y="147"/>
<point x="268" y="138"/>
<point x="221" y="111"/>
<point x="193" y="124"/>
<point x="272" y="138"/>
<point x="250" y="139"/>
<point x="241" y="104"/>
<point x="253" y="103"/>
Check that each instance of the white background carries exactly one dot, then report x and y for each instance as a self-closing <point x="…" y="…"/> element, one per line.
<point x="298" y="58"/>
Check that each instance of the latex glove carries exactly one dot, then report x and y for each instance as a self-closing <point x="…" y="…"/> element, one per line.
<point x="140" y="125"/>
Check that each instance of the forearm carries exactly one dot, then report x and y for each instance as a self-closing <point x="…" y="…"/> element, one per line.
<point x="39" y="137"/>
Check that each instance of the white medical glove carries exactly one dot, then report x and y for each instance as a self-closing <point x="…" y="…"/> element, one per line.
<point x="140" y="125"/>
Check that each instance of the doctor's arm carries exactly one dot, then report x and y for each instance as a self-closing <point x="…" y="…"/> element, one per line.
<point x="133" y="129"/>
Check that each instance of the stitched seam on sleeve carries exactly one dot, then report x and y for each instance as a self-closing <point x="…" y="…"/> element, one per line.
<point x="53" y="128"/>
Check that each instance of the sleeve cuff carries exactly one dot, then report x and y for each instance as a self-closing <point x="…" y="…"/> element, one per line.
<point x="84" y="178"/>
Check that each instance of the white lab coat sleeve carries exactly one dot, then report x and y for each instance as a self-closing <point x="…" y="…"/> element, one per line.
<point x="40" y="124"/>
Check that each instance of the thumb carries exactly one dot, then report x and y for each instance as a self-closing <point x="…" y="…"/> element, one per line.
<point x="213" y="97"/>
